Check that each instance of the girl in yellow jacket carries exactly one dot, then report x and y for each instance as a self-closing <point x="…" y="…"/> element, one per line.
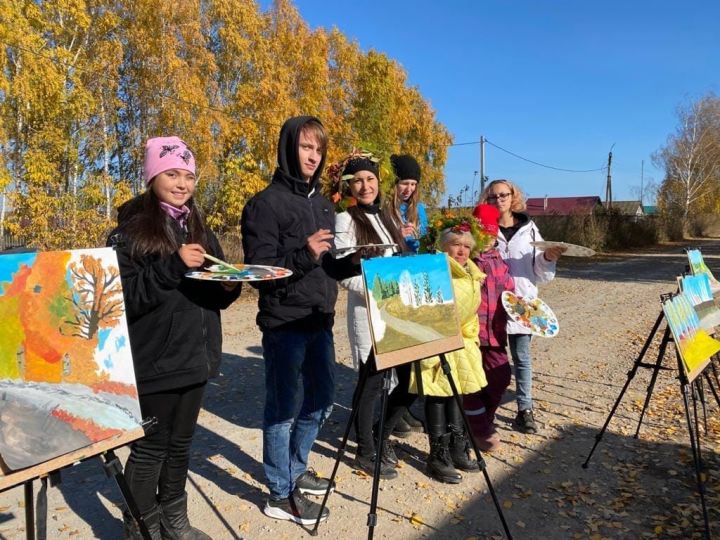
<point x="449" y="443"/>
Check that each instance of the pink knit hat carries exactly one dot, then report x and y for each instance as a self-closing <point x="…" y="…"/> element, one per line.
<point x="164" y="153"/>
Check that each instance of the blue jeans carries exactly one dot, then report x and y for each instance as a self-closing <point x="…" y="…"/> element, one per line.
<point x="287" y="438"/>
<point x="522" y="366"/>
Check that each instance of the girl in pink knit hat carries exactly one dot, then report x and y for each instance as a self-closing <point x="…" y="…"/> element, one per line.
<point x="174" y="328"/>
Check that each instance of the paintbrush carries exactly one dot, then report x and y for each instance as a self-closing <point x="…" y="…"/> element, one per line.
<point x="221" y="262"/>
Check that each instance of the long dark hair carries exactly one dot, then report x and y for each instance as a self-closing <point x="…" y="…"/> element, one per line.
<point x="365" y="233"/>
<point x="149" y="229"/>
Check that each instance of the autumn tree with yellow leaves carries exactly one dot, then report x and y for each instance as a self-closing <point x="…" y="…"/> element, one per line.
<point x="85" y="82"/>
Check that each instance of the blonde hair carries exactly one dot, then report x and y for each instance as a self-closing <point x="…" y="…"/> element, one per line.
<point x="448" y="235"/>
<point x="392" y="208"/>
<point x="518" y="197"/>
<point x="316" y="129"/>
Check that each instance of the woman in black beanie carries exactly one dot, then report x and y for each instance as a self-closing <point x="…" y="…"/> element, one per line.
<point x="404" y="207"/>
<point x="364" y="224"/>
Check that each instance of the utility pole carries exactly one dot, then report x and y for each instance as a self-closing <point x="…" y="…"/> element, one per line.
<point x="608" y="187"/>
<point x="482" y="164"/>
<point x="472" y="193"/>
<point x="642" y="177"/>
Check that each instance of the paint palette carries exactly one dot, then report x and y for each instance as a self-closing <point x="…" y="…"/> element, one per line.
<point x="535" y="315"/>
<point x="247" y="272"/>
<point x="571" y="250"/>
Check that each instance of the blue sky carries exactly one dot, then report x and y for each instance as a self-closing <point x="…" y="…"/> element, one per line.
<point x="390" y="268"/>
<point x="558" y="82"/>
<point x="10" y="264"/>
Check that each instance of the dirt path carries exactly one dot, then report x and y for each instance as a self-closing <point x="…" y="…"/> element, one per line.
<point x="632" y="489"/>
<point x="414" y="330"/>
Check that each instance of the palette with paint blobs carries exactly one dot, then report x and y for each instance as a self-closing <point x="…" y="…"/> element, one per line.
<point x="245" y="272"/>
<point x="533" y="314"/>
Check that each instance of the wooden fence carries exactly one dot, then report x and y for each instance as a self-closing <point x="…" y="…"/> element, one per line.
<point x="9" y="241"/>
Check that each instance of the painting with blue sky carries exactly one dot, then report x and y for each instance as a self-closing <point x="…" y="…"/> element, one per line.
<point x="411" y="305"/>
<point x="67" y="379"/>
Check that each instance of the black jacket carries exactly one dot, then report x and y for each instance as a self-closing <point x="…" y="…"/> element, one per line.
<point x="276" y="223"/>
<point x="173" y="321"/>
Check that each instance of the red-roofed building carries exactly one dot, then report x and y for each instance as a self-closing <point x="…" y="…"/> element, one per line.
<point x="563" y="206"/>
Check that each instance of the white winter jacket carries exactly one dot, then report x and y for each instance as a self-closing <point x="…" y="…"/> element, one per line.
<point x="527" y="264"/>
<point x="357" y="316"/>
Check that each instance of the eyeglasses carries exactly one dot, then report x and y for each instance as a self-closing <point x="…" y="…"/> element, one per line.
<point x="501" y="196"/>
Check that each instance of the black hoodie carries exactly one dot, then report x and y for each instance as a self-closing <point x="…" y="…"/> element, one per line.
<point x="173" y="321"/>
<point x="276" y="224"/>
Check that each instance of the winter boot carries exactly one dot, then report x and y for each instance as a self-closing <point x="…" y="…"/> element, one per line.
<point x="131" y="531"/>
<point x="414" y="423"/>
<point x="175" y="524"/>
<point x="439" y="463"/>
<point x="460" y="450"/>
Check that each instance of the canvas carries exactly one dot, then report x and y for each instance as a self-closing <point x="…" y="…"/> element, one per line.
<point x="693" y="343"/>
<point x="698" y="292"/>
<point x="698" y="266"/>
<point x="66" y="371"/>
<point x="412" y="308"/>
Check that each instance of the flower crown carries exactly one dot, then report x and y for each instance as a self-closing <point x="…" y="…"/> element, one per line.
<point x="458" y="224"/>
<point x="337" y="180"/>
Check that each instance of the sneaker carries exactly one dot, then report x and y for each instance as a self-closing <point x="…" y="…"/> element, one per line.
<point x="309" y="483"/>
<point x="525" y="422"/>
<point x="367" y="464"/>
<point x="297" y="508"/>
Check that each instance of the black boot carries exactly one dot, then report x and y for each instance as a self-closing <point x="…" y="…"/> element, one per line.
<point x="439" y="463"/>
<point x="414" y="423"/>
<point x="461" y="450"/>
<point x="175" y="524"/>
<point x="131" y="531"/>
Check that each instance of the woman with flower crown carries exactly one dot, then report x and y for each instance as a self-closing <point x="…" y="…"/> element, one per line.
<point x="358" y="177"/>
<point x="449" y="441"/>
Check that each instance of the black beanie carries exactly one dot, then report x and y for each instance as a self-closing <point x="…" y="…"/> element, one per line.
<point x="361" y="164"/>
<point x="405" y="167"/>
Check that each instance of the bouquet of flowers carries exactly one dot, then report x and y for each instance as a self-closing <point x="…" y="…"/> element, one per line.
<point x="458" y="223"/>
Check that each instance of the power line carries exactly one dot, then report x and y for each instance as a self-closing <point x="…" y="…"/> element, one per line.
<point x="542" y="164"/>
<point x="530" y="160"/>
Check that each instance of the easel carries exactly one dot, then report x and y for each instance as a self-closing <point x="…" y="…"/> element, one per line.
<point x="686" y="388"/>
<point x="372" y="514"/>
<point x="36" y="515"/>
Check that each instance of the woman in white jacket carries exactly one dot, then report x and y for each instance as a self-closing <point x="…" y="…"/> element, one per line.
<point x="528" y="267"/>
<point x="361" y="225"/>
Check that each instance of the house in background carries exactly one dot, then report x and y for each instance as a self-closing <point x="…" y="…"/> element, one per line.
<point x="563" y="206"/>
<point x="629" y="208"/>
<point x="650" y="210"/>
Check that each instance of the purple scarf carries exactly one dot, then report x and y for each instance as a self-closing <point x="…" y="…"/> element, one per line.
<point x="180" y="215"/>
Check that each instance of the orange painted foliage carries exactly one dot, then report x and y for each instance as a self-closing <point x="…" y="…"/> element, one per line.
<point x="88" y="427"/>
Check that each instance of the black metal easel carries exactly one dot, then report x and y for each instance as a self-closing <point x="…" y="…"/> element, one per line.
<point x="690" y="390"/>
<point x="372" y="514"/>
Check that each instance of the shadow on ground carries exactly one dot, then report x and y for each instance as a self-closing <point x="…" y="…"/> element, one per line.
<point x="632" y="488"/>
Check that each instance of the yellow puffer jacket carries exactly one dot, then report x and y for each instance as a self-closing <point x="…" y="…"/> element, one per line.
<point x="466" y="364"/>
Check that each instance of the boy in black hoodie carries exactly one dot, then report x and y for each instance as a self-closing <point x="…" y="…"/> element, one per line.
<point x="291" y="224"/>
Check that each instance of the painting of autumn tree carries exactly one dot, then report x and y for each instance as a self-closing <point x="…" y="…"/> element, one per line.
<point x="97" y="297"/>
<point x="66" y="373"/>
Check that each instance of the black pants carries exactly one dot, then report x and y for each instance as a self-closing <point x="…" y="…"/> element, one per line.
<point x="156" y="470"/>
<point x="441" y="412"/>
<point x="366" y="402"/>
